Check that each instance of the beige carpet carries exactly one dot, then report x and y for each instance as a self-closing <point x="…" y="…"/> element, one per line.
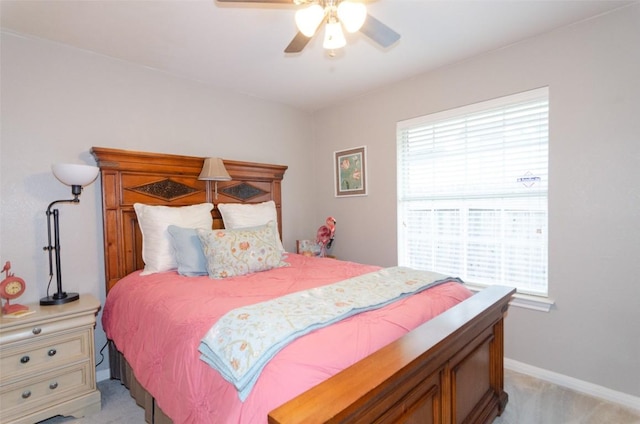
<point x="531" y="401"/>
<point x="118" y="407"/>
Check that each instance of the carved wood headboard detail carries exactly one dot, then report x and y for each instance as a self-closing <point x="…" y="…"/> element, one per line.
<point x="130" y="177"/>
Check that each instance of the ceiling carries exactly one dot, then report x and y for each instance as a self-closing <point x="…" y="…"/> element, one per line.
<point x="240" y="47"/>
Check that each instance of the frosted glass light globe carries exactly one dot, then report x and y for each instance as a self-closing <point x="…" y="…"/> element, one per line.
<point x="352" y="15"/>
<point x="333" y="36"/>
<point x="308" y="19"/>
<point x="75" y="175"/>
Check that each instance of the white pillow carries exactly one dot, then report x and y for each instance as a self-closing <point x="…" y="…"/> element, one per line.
<point x="154" y="222"/>
<point x="238" y="215"/>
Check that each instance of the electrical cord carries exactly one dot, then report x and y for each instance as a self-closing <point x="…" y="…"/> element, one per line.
<point x="101" y="355"/>
<point x="49" y="284"/>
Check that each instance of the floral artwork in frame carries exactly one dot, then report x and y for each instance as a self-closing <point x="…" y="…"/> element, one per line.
<point x="351" y="172"/>
<point x="308" y="247"/>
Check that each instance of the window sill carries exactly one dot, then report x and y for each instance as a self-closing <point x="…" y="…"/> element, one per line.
<point x="526" y="301"/>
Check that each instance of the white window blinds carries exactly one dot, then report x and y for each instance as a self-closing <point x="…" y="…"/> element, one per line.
<point x="472" y="192"/>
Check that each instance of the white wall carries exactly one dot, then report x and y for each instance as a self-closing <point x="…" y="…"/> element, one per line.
<point x="593" y="71"/>
<point x="58" y="102"/>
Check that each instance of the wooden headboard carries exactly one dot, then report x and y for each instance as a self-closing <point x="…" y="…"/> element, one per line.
<point x="130" y="177"/>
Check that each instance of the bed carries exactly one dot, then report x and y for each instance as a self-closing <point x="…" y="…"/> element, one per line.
<point x="448" y="369"/>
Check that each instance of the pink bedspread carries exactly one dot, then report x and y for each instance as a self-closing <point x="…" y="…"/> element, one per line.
<point x="157" y="322"/>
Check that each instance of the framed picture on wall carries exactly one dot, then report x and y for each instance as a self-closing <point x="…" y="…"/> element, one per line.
<point x="307" y="247"/>
<point x="351" y="172"/>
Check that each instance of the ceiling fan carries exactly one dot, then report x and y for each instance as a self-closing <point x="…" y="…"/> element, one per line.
<point x="335" y="14"/>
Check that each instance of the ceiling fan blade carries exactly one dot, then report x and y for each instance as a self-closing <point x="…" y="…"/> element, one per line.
<point x="379" y="32"/>
<point x="297" y="44"/>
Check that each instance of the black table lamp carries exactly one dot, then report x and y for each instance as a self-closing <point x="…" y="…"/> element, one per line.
<point x="75" y="176"/>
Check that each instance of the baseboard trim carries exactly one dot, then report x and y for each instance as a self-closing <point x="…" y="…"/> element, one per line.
<point x="581" y="386"/>
<point x="103" y="375"/>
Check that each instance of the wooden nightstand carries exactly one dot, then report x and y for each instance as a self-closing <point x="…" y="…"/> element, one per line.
<point x="47" y="362"/>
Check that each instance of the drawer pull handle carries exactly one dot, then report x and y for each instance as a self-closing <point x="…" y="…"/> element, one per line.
<point x="25" y="359"/>
<point x="26" y="394"/>
<point x="53" y="385"/>
<point x="36" y="330"/>
<point x="51" y="352"/>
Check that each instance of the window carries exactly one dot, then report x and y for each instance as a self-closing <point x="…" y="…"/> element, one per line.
<point x="472" y="192"/>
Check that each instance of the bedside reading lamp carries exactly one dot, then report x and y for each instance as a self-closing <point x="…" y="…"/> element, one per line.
<point x="75" y="176"/>
<point x="213" y="170"/>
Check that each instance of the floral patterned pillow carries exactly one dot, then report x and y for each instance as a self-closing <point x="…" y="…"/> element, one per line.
<point x="241" y="251"/>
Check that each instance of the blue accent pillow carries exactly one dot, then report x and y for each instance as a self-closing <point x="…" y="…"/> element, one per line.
<point x="187" y="250"/>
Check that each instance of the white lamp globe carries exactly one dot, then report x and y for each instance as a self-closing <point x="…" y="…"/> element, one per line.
<point x="75" y="175"/>
<point x="333" y="36"/>
<point x="308" y="19"/>
<point x="352" y="15"/>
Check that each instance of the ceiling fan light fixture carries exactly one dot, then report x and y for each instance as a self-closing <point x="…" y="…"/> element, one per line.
<point x="333" y="36"/>
<point x="352" y="15"/>
<point x="308" y="19"/>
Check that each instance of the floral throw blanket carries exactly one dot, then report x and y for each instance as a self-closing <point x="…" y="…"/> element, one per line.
<point x="243" y="341"/>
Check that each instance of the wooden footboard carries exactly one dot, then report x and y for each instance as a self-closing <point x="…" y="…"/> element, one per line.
<point x="449" y="370"/>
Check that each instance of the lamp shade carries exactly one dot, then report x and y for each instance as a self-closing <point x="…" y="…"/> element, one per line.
<point x="333" y="36"/>
<point x="213" y="169"/>
<point x="352" y="15"/>
<point x="308" y="19"/>
<point x="74" y="174"/>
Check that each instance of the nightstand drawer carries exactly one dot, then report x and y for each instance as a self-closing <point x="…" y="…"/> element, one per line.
<point x="16" y="359"/>
<point x="45" y="390"/>
<point x="31" y="328"/>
